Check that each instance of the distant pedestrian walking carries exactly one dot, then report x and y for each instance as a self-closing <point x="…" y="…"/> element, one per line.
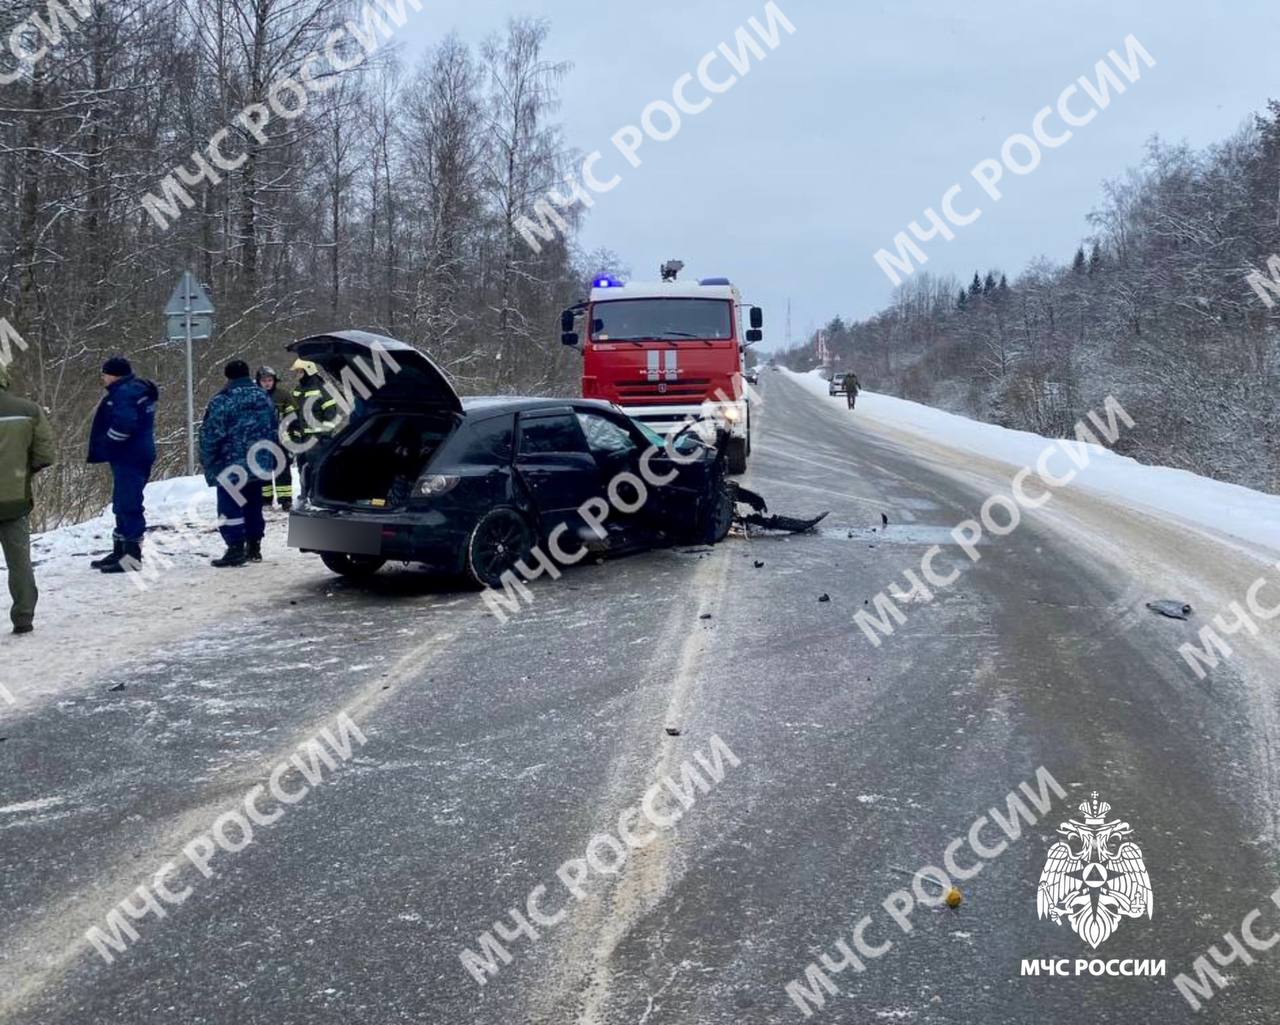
<point x="124" y="436"/>
<point x="239" y="430"/>
<point x="851" y="388"/>
<point x="26" y="448"/>
<point x="280" y="489"/>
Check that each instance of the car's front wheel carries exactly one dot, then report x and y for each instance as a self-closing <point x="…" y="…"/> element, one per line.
<point x="354" y="567"/>
<point x="716" y="516"/>
<point x="736" y="456"/>
<point x="500" y="540"/>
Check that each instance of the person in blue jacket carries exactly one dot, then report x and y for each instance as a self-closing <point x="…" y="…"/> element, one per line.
<point x="239" y="434"/>
<point x="124" y="436"/>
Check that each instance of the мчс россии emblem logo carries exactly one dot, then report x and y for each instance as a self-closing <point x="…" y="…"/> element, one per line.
<point x="1094" y="878"/>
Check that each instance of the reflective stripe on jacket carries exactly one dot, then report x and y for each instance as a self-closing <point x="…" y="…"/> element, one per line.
<point x="317" y="410"/>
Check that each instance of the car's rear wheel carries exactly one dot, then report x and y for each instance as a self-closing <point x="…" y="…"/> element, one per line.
<point x="354" y="567"/>
<point x="500" y="540"/>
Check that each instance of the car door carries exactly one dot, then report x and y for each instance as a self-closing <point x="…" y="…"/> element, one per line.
<point x="557" y="468"/>
<point x="674" y="489"/>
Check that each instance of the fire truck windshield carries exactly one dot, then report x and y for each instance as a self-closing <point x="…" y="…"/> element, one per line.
<point x="633" y="320"/>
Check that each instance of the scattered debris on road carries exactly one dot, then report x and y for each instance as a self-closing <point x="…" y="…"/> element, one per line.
<point x="759" y="563"/>
<point x="705" y="615"/>
<point x="759" y="508"/>
<point x="1170" y="608"/>
<point x="672" y="731"/>
<point x="118" y="686"/>
<point x="824" y="597"/>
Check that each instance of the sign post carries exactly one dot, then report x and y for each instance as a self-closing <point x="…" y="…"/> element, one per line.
<point x="189" y="318"/>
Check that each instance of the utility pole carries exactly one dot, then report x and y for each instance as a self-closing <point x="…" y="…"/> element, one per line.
<point x="788" y="323"/>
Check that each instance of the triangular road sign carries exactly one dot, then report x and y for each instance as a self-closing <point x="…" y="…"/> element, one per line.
<point x="188" y="289"/>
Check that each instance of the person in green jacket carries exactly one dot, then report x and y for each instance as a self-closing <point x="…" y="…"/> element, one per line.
<point x="26" y="448"/>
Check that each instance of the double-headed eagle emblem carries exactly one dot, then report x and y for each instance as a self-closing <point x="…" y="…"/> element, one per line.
<point x="1093" y="878"/>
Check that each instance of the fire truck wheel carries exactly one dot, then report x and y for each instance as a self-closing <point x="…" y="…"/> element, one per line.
<point x="353" y="567"/>
<point x="500" y="540"/>
<point x="736" y="456"/>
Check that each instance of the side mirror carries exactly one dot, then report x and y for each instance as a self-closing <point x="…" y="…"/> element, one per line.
<point x="757" y="318"/>
<point x="569" y="338"/>
<point x="754" y="335"/>
<point x="566" y="321"/>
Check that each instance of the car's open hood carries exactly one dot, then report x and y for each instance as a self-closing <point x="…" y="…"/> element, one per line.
<point x="395" y="372"/>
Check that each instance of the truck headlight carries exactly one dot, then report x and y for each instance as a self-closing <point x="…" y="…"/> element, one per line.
<point x="732" y="413"/>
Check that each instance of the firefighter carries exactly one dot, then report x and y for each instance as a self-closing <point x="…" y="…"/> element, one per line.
<point x="851" y="388"/>
<point x="281" y="488"/>
<point x="316" y="414"/>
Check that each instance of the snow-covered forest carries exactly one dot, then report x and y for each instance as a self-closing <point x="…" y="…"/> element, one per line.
<point x="388" y="204"/>
<point x="1155" y="308"/>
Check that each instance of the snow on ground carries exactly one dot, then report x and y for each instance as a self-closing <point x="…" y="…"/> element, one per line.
<point x="1179" y="495"/>
<point x="87" y="621"/>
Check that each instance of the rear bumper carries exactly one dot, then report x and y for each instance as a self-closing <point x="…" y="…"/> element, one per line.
<point x="425" y="537"/>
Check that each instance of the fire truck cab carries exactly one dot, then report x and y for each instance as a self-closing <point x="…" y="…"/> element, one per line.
<point x="668" y="352"/>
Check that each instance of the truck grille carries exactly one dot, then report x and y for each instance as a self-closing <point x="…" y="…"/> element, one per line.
<point x="683" y="390"/>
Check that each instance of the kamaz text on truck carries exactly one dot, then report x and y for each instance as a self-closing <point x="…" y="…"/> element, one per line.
<point x="668" y="351"/>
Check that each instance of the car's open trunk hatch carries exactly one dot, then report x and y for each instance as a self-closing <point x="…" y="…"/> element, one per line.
<point x="377" y="464"/>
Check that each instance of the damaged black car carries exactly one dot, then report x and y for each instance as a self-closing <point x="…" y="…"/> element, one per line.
<point x="469" y="487"/>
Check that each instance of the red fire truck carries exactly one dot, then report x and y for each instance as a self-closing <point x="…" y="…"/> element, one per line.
<point x="667" y="351"/>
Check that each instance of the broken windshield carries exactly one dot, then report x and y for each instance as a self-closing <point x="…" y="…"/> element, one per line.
<point x="675" y="319"/>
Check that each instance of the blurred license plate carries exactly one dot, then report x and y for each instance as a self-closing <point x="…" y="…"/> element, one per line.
<point x="333" y="535"/>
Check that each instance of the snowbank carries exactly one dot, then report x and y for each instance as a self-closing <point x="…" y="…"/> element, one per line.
<point x="87" y="621"/>
<point x="1251" y="516"/>
<point x="168" y="502"/>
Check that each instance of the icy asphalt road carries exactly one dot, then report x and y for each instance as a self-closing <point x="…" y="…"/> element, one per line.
<point x="496" y="752"/>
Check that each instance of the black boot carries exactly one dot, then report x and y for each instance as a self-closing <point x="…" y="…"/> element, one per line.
<point x="234" y="556"/>
<point x="117" y="553"/>
<point x="253" y="550"/>
<point x="129" y="561"/>
<point x="286" y="504"/>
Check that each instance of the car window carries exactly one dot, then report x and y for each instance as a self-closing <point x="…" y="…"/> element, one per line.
<point x="604" y="437"/>
<point x="551" y="434"/>
<point x="486" y="442"/>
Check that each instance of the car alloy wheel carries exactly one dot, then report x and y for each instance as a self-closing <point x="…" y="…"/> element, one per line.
<point x="500" y="540"/>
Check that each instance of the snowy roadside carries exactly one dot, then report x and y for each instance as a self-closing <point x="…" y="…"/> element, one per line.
<point x="88" y="621"/>
<point x="1213" y="507"/>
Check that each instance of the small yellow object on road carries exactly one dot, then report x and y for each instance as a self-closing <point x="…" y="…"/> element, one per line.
<point x="954" y="897"/>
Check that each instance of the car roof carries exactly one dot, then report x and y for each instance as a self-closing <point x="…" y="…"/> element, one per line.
<point x="486" y="405"/>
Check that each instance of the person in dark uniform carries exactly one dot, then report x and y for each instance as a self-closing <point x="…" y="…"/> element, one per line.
<point x="123" y="435"/>
<point x="281" y="488"/>
<point x="239" y="420"/>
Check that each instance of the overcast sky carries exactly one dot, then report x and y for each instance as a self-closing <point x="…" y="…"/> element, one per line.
<point x="793" y="178"/>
